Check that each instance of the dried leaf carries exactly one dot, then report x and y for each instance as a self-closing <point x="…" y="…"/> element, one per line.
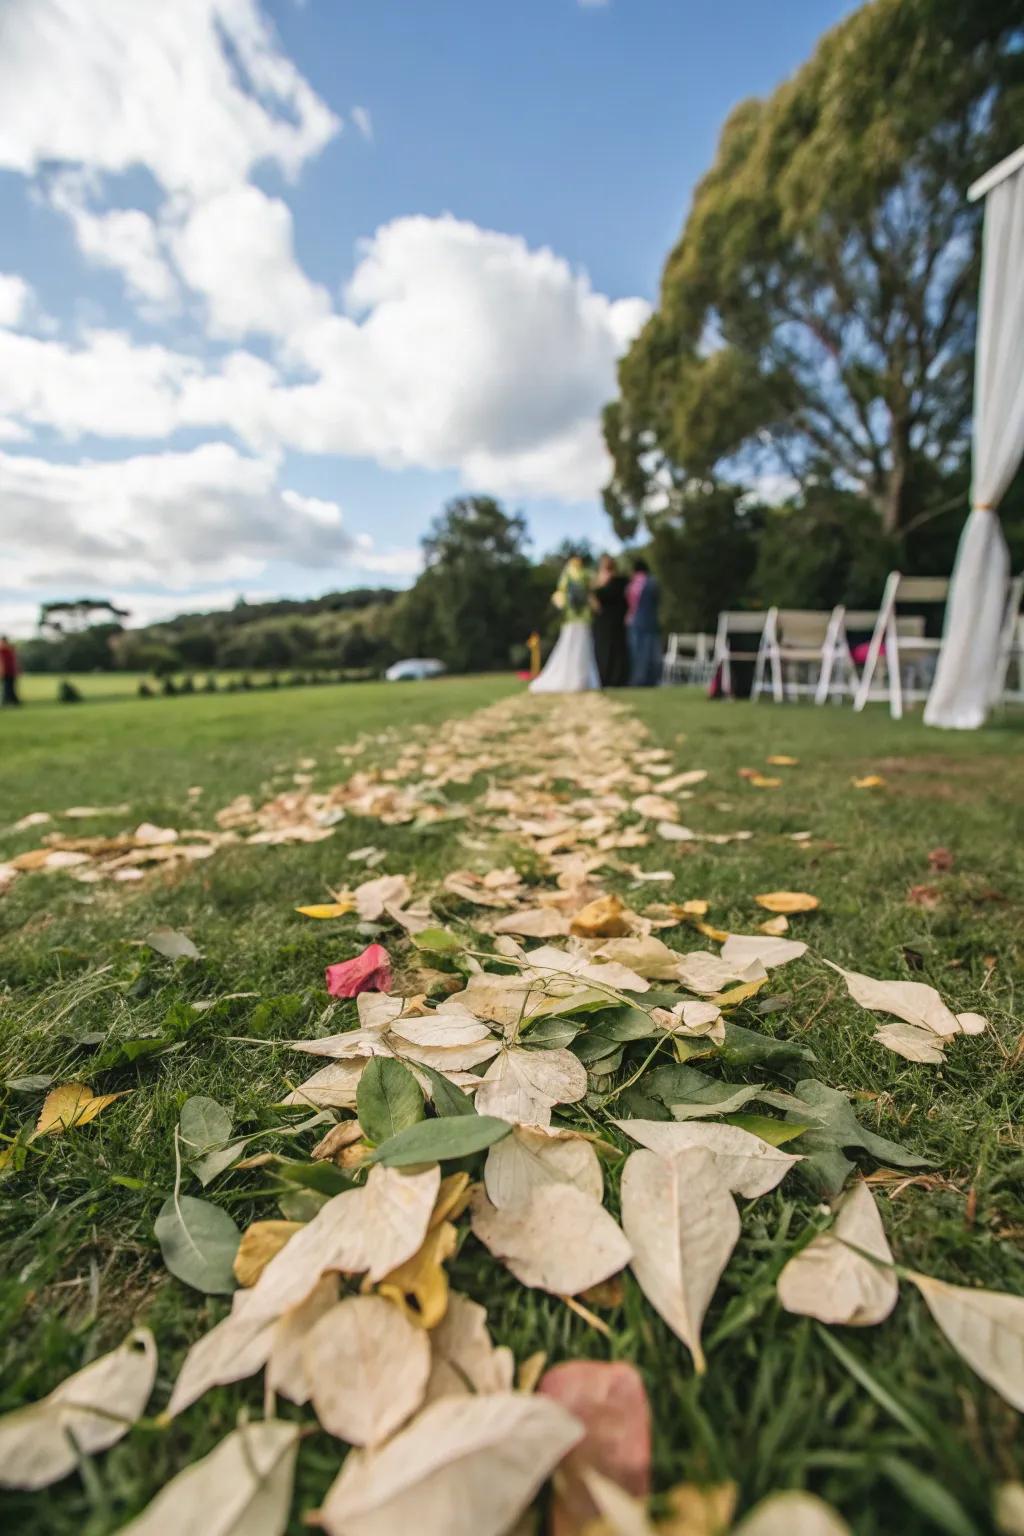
<point x="328" y="909"/>
<point x="522" y="1086"/>
<point x="463" y="1357"/>
<point x="682" y="1223"/>
<point x="466" y="1466"/>
<point x="830" y="1281"/>
<point x="171" y="944"/>
<point x="604" y="918"/>
<point x="741" y="949"/>
<point x="986" y="1328"/>
<point x="701" y="971"/>
<point x="367" y="1366"/>
<point x="531" y="1158"/>
<point x="780" y="760"/>
<point x="71" y="1105"/>
<point x="911" y="1041"/>
<point x="261" y="1241"/>
<point x="368" y="972"/>
<point x="787" y="901"/>
<point x="869" y="781"/>
<point x="706" y="1510"/>
<point x="559" y="1240"/>
<point x="609" y="1400"/>
<point x="85" y="1414"/>
<point x="792" y="1514"/>
<point x="928" y="897"/>
<point x="940" y="860"/>
<point x="913" y="1001"/>
<point x="419" y="1287"/>
<point x="775" y="926"/>
<point x="747" y="1165"/>
<point x="972" y="1023"/>
<point x="534" y="923"/>
<point x="245" y="1484"/>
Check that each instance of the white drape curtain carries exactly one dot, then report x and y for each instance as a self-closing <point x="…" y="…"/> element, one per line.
<point x="961" y="693"/>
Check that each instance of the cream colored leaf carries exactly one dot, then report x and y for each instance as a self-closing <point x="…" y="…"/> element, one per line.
<point x="92" y="1410"/>
<point x="243" y="1488"/>
<point x="830" y="1281"/>
<point x="528" y="1159"/>
<point x="534" y="923"/>
<point x="682" y="1223"/>
<point x="351" y="1043"/>
<point x="649" y="957"/>
<point x="559" y="1240"/>
<point x="702" y="971"/>
<point x="911" y="1041"/>
<point x="696" y="1020"/>
<point x="333" y="1087"/>
<point x="972" y="1023"/>
<point x="742" y="948"/>
<point x="986" y="1328"/>
<point x="466" y="1466"/>
<point x="453" y="1025"/>
<point x="747" y="1165"/>
<point x="792" y="1514"/>
<point x="656" y="807"/>
<point x="775" y="926"/>
<point x="232" y="1351"/>
<point x="374" y="895"/>
<point x="787" y="901"/>
<point x="286" y="1367"/>
<point x="674" y="832"/>
<point x="450" y="1058"/>
<point x="620" y="1514"/>
<point x="523" y="1086"/>
<point x="913" y="1001"/>
<point x="367" y="1367"/>
<point x="463" y="1356"/>
<point x="378" y="1010"/>
<point x="1008" y="1509"/>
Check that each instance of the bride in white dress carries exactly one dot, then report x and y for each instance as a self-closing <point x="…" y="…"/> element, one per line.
<point x="572" y="665"/>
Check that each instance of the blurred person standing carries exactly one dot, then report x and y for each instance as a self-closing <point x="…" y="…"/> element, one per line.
<point x="643" y="596"/>
<point x="8" y="672"/>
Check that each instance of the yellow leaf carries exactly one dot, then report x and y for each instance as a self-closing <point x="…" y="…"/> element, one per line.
<point x="695" y="908"/>
<point x="738" y="994"/>
<point x="869" y="781"/>
<point x="698" y="1511"/>
<point x="261" y="1242"/>
<point x="787" y="901"/>
<point x="775" y="925"/>
<point x="69" y="1105"/>
<point x="763" y="781"/>
<point x="780" y="760"/>
<point x="419" y="1287"/>
<point x="452" y="1198"/>
<point x="601" y="919"/>
<point x="328" y="909"/>
<point x="718" y="934"/>
<point x="530" y="1372"/>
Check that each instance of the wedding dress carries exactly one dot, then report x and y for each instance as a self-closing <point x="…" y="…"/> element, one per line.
<point x="572" y="665"/>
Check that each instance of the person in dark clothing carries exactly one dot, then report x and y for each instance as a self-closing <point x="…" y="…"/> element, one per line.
<point x="8" y="672"/>
<point x="642" y="598"/>
<point x="609" y="627"/>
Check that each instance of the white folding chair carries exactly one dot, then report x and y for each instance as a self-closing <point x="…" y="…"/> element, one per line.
<point x="686" y="658"/>
<point x="733" y="628"/>
<point x="797" y="653"/>
<point x="901" y="654"/>
<point x="1011" y="649"/>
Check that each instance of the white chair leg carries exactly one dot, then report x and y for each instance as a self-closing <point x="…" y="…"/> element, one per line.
<point x="892" y="665"/>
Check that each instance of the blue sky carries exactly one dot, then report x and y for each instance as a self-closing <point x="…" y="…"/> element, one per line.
<point x="277" y="279"/>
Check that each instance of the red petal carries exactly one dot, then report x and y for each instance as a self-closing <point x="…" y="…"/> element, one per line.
<point x="368" y="972"/>
<point x="610" y="1401"/>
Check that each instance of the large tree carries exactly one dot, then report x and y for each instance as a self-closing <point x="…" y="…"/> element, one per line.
<point x="816" y="318"/>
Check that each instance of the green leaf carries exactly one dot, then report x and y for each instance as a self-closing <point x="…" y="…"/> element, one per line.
<point x="435" y="1141"/>
<point x="438" y="941"/>
<point x="825" y="1167"/>
<point x="690" y="1094"/>
<point x="941" y="1510"/>
<point x="830" y="1110"/>
<point x="199" y="1242"/>
<point x="204" y="1124"/>
<point x="125" y="1053"/>
<point x="551" y="1032"/>
<point x="587" y="1001"/>
<point x="207" y="1167"/>
<point x="747" y="1048"/>
<point x="447" y="1099"/>
<point x="635" y="1104"/>
<point x="36" y="1082"/>
<point x="322" y="1177"/>
<point x="775" y="1132"/>
<point x="388" y="1099"/>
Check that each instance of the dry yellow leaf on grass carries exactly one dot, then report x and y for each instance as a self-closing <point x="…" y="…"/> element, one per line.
<point x="419" y="1287"/>
<point x="869" y="781"/>
<point x="775" y="926"/>
<point x="261" y="1242"/>
<point x="780" y="760"/>
<point x="604" y="918"/>
<point x="787" y="901"/>
<point x="328" y="909"/>
<point x="71" y="1104"/>
<point x="763" y="781"/>
<point x="698" y="1511"/>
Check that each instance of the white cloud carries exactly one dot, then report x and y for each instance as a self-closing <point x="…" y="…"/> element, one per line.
<point x="15" y="296"/>
<point x="124" y="239"/>
<point x="364" y="122"/>
<point x="126" y="84"/>
<point x="172" y="520"/>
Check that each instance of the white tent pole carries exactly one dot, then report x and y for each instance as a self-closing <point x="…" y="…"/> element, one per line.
<point x="998" y="173"/>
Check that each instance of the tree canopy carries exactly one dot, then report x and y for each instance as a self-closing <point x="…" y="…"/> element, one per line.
<point x="816" y="318"/>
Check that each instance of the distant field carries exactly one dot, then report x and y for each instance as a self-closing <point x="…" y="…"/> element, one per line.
<point x="42" y="688"/>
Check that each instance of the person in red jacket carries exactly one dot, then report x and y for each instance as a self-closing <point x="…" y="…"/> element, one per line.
<point x="8" y="672"/>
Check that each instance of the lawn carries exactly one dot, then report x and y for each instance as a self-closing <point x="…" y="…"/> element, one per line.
<point x="884" y="1422"/>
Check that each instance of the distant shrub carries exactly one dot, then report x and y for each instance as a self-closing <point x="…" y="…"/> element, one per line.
<point x="188" y="685"/>
<point x="274" y="681"/>
<point x="145" y="691"/>
<point x="210" y="686"/>
<point x="67" y="693"/>
<point x="168" y="686"/>
<point x="247" y="681"/>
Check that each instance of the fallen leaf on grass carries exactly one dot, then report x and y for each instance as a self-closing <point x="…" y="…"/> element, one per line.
<point x="928" y="897"/>
<point x="530" y="1158"/>
<point x="559" y="1239"/>
<point x="368" y="972"/>
<point x="912" y="1001"/>
<point x="70" y="1105"/>
<point x="450" y="1136"/>
<point x="986" y="1328"/>
<point x="245" y="1484"/>
<point x="534" y="923"/>
<point x="373" y="897"/>
<point x="940" y="860"/>
<point x="465" y="1466"/>
<point x="747" y="1165"/>
<point x="608" y="1398"/>
<point x="830" y="1281"/>
<point x="972" y="1023"/>
<point x="419" y="1287"/>
<point x="682" y="1224"/>
<point x="911" y="1041"/>
<point x="792" y="1514"/>
<point x="780" y="760"/>
<point x="787" y="902"/>
<point x="775" y="925"/>
<point x="87" y="1413"/>
<point x="388" y="1099"/>
<point x="261" y="1241"/>
<point x="869" y="781"/>
<point x="464" y="1358"/>
<point x="1008" y="1509"/>
<point x="762" y="781"/>
<point x="367" y="1367"/>
<point x="328" y="909"/>
<point x="701" y="971"/>
<point x="171" y="944"/>
<point x="604" y="918"/>
<point x="741" y="949"/>
<point x="199" y="1242"/>
<point x="523" y="1086"/>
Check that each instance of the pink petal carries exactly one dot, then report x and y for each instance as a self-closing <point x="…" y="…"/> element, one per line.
<point x="368" y="972"/>
<point x="609" y="1399"/>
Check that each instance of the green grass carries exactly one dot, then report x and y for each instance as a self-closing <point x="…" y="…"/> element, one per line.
<point x="785" y="1403"/>
<point x="43" y="687"/>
